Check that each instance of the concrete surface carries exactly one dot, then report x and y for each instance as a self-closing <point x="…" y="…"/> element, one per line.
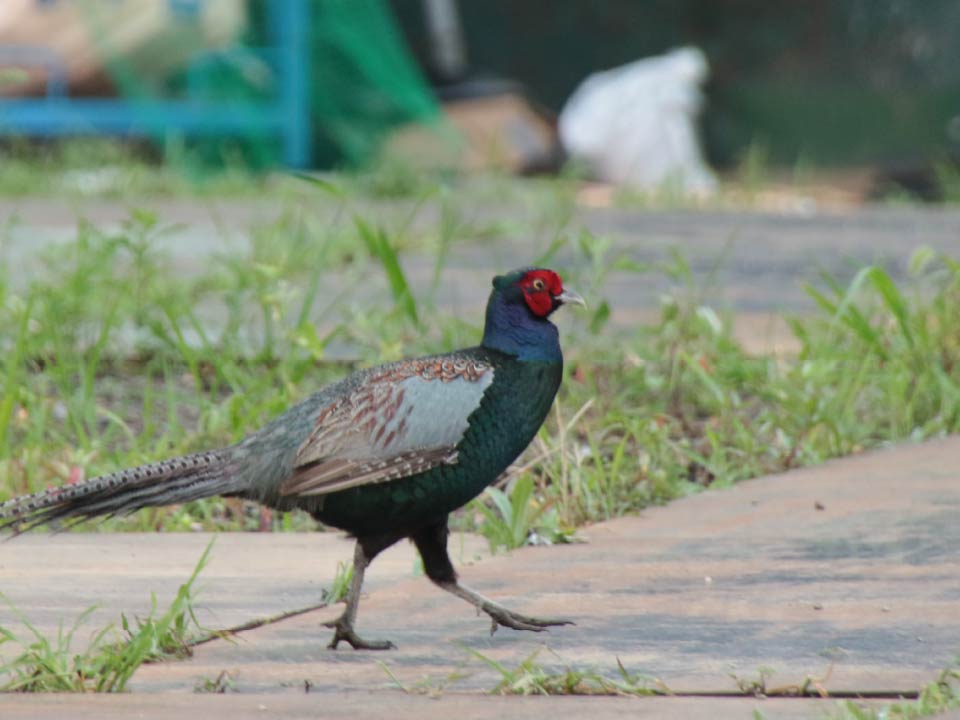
<point x="754" y="264"/>
<point x="755" y="261"/>
<point x="846" y="574"/>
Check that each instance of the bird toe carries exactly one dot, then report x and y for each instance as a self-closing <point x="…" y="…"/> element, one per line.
<point x="344" y="632"/>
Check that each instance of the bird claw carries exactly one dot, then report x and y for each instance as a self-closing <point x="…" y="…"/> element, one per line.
<point x="344" y="632"/>
<point x="507" y="618"/>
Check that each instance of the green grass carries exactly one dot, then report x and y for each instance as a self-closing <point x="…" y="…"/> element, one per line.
<point x="44" y="664"/>
<point x="221" y="684"/>
<point x="936" y="698"/>
<point x="108" y="361"/>
<point x="529" y="677"/>
<point x="340" y="585"/>
<point x="106" y="168"/>
<point x="683" y="406"/>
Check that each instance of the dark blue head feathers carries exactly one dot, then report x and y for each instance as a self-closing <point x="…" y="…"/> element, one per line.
<point x="518" y="311"/>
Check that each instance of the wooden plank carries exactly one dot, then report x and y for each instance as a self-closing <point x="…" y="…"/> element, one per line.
<point x="377" y="705"/>
<point x="54" y="578"/>
<point x="846" y="574"/>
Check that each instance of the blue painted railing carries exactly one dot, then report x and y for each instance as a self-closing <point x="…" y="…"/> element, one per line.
<point x="285" y="115"/>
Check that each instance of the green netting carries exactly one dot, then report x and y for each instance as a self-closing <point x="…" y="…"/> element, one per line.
<point x="364" y="80"/>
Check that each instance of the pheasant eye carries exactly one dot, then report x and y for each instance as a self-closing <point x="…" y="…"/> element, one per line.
<point x="538" y="285"/>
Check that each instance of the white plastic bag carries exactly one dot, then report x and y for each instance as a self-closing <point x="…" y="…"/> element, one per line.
<point x="636" y="124"/>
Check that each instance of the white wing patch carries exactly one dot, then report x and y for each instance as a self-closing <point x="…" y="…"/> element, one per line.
<point x="431" y="413"/>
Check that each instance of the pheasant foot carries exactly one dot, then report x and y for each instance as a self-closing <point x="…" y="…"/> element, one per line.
<point x="343" y="625"/>
<point x="499" y="614"/>
<point x="344" y="632"/>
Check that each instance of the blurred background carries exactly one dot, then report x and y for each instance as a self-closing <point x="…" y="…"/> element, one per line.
<point x="853" y="99"/>
<point x="210" y="208"/>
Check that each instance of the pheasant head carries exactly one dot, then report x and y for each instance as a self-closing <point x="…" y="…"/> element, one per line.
<point x="518" y="310"/>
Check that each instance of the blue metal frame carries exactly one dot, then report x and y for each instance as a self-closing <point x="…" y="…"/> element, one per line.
<point x="286" y="115"/>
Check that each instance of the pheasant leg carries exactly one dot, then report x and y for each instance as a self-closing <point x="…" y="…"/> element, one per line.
<point x="343" y="625"/>
<point x="498" y="613"/>
<point x="432" y="544"/>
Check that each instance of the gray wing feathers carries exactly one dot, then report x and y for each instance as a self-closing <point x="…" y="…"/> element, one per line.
<point x="387" y="428"/>
<point x="337" y="475"/>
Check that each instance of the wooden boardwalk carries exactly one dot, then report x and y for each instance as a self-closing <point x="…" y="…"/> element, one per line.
<point x="843" y="578"/>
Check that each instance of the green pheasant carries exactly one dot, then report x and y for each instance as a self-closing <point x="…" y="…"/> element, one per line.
<point x="384" y="454"/>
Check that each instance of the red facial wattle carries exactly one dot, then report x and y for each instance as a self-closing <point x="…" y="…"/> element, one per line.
<point x="540" y="287"/>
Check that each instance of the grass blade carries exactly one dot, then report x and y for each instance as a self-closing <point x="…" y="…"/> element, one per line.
<point x="11" y="376"/>
<point x="893" y="299"/>
<point x="320" y="184"/>
<point x="379" y="246"/>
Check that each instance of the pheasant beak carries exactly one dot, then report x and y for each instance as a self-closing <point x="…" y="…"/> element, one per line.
<point x="568" y="297"/>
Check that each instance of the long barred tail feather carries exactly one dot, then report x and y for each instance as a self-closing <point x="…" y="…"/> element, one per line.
<point x="177" y="480"/>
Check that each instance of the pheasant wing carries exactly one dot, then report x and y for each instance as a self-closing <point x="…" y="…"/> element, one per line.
<point x="399" y="421"/>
